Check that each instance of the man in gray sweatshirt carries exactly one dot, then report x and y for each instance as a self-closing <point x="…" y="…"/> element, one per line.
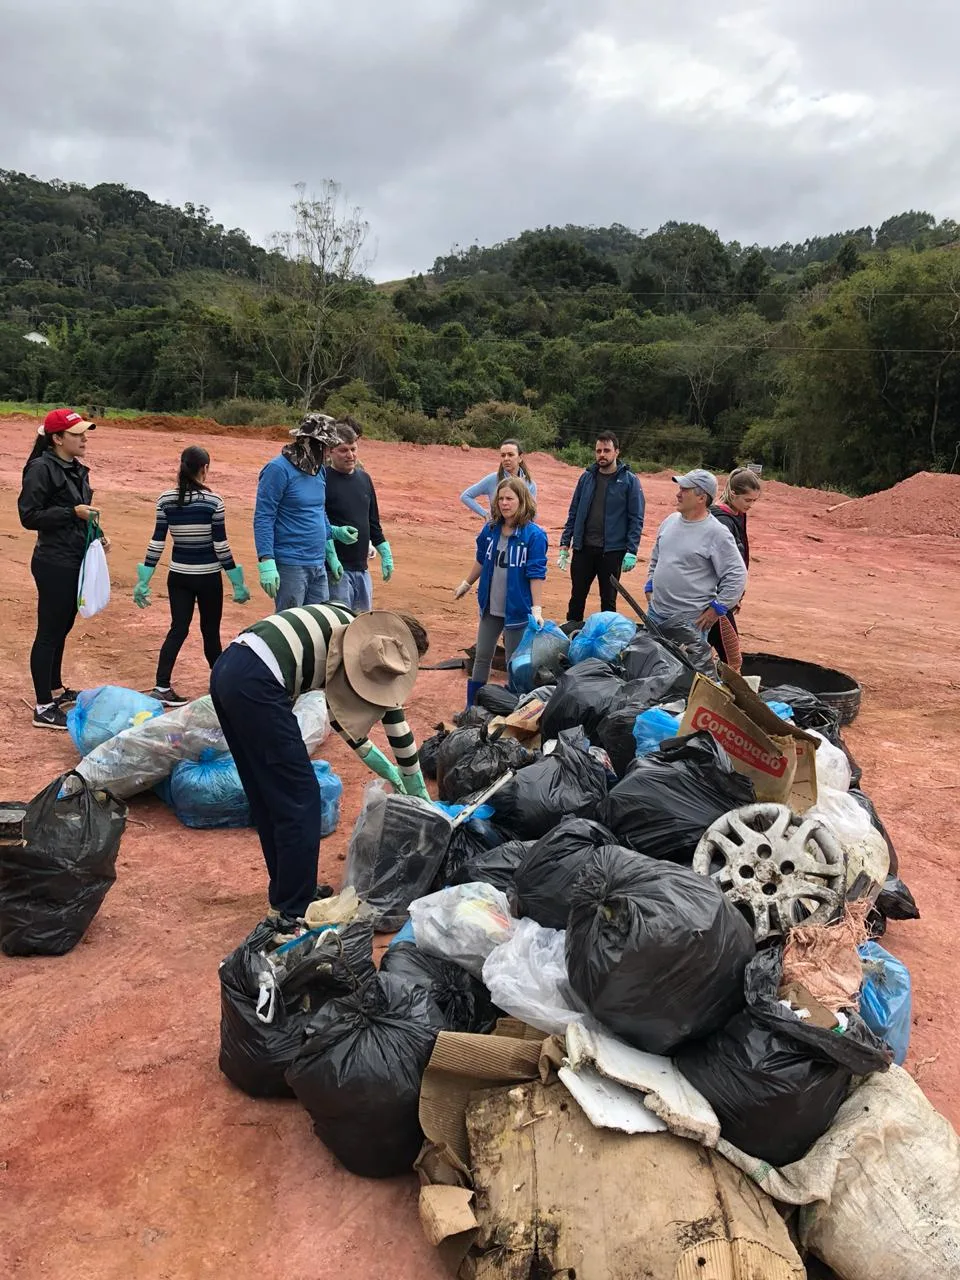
<point x="696" y="572"/>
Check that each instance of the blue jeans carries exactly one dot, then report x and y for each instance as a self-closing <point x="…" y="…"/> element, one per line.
<point x="354" y="590"/>
<point x="301" y="584"/>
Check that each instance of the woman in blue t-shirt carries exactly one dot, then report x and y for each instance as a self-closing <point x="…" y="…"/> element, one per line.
<point x="511" y="565"/>
<point x="512" y="465"/>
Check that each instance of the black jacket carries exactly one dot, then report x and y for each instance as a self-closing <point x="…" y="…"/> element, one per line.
<point x="736" y="522"/>
<point x="51" y="490"/>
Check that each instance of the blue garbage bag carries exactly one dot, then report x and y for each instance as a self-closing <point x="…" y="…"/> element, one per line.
<point x="103" y="712"/>
<point x="536" y="659"/>
<point x="208" y="793"/>
<point x="603" y="636"/>
<point x="652" y="727"/>
<point x="885" y="1004"/>
<point x="331" y="789"/>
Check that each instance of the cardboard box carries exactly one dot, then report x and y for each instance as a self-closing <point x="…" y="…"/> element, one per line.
<point x="779" y="758"/>
<point x="524" y="725"/>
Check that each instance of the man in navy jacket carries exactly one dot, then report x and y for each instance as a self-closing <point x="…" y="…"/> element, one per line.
<point x="604" y="525"/>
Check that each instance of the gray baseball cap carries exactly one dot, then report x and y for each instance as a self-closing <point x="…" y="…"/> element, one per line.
<point x="698" y="480"/>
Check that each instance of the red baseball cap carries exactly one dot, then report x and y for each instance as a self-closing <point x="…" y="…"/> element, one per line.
<point x="66" y="420"/>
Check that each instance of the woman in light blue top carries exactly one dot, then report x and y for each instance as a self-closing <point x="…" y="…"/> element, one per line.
<point x="512" y="465"/>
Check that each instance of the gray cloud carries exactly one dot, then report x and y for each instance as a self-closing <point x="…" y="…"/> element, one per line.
<point x="451" y="121"/>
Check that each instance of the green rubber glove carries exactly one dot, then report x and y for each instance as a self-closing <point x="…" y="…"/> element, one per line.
<point x="141" y="592"/>
<point x="563" y="558"/>
<point x="414" y="785"/>
<point x="386" y="560"/>
<point x="345" y="533"/>
<point x="333" y="561"/>
<point x="240" y="593"/>
<point x="269" y="578"/>
<point x="629" y="562"/>
<point x="375" y="760"/>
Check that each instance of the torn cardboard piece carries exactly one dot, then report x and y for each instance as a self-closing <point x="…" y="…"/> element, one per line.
<point x="556" y="1196"/>
<point x="524" y="724"/>
<point x="776" y="756"/>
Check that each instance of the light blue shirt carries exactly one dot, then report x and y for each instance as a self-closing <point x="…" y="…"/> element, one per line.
<point x="486" y="488"/>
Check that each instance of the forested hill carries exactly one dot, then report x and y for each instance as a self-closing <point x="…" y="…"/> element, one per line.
<point x="833" y="362"/>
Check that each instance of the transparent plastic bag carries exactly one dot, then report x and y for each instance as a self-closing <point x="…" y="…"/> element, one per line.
<point x="652" y="727"/>
<point x="314" y="719"/>
<point x="102" y="713"/>
<point x="842" y="814"/>
<point x="527" y="978"/>
<point x="603" y="635"/>
<point x="462" y="923"/>
<point x="833" y="767"/>
<point x="885" y="1002"/>
<point x="396" y="850"/>
<point x="537" y="656"/>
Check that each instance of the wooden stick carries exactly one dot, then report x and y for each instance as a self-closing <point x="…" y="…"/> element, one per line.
<point x="837" y="505"/>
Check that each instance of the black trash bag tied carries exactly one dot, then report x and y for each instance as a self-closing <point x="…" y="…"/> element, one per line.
<point x="654" y="951"/>
<point x="615" y="730"/>
<point x="668" y="798"/>
<point x="497" y="866"/>
<point x="359" y="1071"/>
<point x="777" y="1082"/>
<point x="462" y="999"/>
<point x="646" y="659"/>
<point x="547" y="875"/>
<point x="470" y="840"/>
<point x="496" y="699"/>
<point x="472" y="718"/>
<point x="565" y="781"/>
<point x="54" y="882"/>
<point x="581" y="699"/>
<point x="430" y="749"/>
<point x="470" y="760"/>
<point x="263" y="1021"/>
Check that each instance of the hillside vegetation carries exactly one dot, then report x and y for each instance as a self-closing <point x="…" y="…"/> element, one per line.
<point x="832" y="362"/>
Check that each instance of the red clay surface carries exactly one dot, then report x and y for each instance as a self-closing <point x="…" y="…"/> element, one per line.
<point x="123" y="1151"/>
<point x="922" y="504"/>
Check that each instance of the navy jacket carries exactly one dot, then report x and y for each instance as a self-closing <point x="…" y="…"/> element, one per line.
<point x="526" y="559"/>
<point x="623" y="514"/>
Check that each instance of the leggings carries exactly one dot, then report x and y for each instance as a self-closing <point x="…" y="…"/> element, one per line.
<point x="487" y="636"/>
<point x="57" y="586"/>
<point x="185" y="590"/>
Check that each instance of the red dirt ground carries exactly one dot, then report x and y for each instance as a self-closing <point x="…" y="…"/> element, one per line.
<point x="922" y="504"/>
<point x="123" y="1152"/>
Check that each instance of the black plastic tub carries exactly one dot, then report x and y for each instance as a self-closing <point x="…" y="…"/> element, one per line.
<point x="837" y="689"/>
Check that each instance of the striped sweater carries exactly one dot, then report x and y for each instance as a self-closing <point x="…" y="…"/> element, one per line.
<point x="297" y="639"/>
<point x="198" y="530"/>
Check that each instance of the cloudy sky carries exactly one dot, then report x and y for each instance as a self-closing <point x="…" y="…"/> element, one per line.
<point x="454" y="121"/>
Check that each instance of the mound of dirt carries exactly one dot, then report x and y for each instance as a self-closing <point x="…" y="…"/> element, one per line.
<point x="198" y="426"/>
<point x="924" y="503"/>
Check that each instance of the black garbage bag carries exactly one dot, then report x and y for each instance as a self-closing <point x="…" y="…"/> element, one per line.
<point x="255" y="1054"/>
<point x="547" y="875"/>
<point x="654" y="951"/>
<point x="775" y="1082"/>
<point x="811" y="712"/>
<point x="581" y="698"/>
<point x="396" y="851"/>
<point x="865" y="802"/>
<point x="896" y="902"/>
<point x="462" y="999"/>
<point x="684" y="638"/>
<point x="496" y="699"/>
<point x="470" y="840"/>
<point x="564" y="782"/>
<point x="52" y="884"/>
<point x="615" y="730"/>
<point x="472" y="718"/>
<point x="471" y="759"/>
<point x="668" y="798"/>
<point x="430" y="749"/>
<point x="497" y="866"/>
<point x="359" y="1070"/>
<point x="645" y="658"/>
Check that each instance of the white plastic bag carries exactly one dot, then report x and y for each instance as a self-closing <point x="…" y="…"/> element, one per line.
<point x="94" y="588"/>
<point x="841" y="813"/>
<point x="462" y="923"/>
<point x="527" y="978"/>
<point x="313" y="718"/>
<point x="833" y="767"/>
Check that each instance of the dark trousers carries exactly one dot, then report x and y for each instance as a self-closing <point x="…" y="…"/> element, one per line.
<point x="256" y="715"/>
<point x="57" y="587"/>
<point x="184" y="591"/>
<point x="590" y="563"/>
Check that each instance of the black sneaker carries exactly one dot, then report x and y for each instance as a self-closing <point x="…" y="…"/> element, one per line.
<point x="66" y="699"/>
<point x="49" y="718"/>
<point x="169" y="697"/>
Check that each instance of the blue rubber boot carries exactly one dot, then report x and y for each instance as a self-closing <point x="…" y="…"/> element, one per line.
<point x="473" y="688"/>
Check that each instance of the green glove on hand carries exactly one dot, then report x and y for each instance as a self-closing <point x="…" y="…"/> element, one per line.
<point x="269" y="578"/>
<point x="563" y="558"/>
<point x="333" y="561"/>
<point x="240" y="593"/>
<point x="629" y="562"/>
<point x="345" y="533"/>
<point x="386" y="560"/>
<point x="141" y="592"/>
<point x="414" y="785"/>
<point x="375" y="760"/>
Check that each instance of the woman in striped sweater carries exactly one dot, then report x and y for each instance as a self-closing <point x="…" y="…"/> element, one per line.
<point x="367" y="666"/>
<point x="196" y="521"/>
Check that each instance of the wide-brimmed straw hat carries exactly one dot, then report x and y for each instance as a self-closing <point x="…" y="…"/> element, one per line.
<point x="372" y="665"/>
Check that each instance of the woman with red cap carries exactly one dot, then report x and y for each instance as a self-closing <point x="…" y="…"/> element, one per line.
<point x="55" y="502"/>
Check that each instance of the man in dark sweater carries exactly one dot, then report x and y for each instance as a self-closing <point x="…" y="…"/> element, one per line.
<point x="355" y="523"/>
<point x="604" y="525"/>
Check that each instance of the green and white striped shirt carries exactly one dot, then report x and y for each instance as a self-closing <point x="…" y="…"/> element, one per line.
<point x="298" y="640"/>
